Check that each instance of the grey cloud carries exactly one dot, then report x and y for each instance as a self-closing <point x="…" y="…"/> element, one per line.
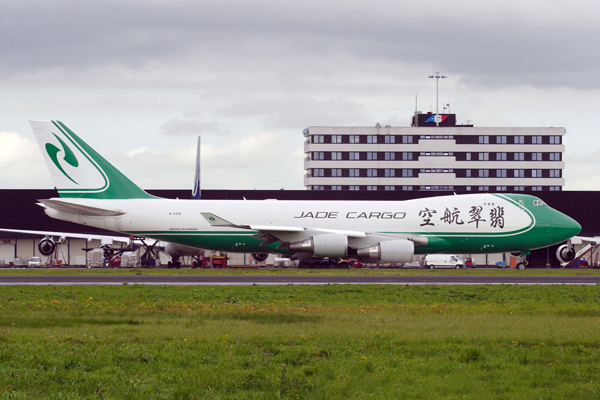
<point x="501" y="50"/>
<point x="296" y="111"/>
<point x="178" y="127"/>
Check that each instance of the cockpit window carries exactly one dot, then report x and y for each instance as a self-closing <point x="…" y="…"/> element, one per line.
<point x="538" y="203"/>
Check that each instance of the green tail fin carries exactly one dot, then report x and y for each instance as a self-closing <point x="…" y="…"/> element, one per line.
<point x="77" y="169"/>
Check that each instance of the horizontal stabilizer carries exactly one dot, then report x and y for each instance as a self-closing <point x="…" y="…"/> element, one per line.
<point x="73" y="208"/>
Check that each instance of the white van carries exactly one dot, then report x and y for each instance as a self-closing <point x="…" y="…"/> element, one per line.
<point x="443" y="261"/>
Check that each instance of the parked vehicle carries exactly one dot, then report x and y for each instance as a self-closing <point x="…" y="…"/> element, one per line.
<point x="35" y="262"/>
<point x="469" y="263"/>
<point x="443" y="261"/>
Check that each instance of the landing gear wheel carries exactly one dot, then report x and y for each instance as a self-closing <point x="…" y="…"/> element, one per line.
<point x="521" y="265"/>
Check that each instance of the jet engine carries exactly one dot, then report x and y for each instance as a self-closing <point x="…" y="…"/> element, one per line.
<point x="392" y="251"/>
<point x="259" y="257"/>
<point x="108" y="250"/>
<point x="46" y="246"/>
<point x="565" y="253"/>
<point x="326" y="245"/>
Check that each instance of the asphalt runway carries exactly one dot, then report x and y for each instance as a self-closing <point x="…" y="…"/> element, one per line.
<point x="295" y="280"/>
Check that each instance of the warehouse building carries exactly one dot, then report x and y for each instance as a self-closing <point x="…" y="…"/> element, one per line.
<point x="426" y="157"/>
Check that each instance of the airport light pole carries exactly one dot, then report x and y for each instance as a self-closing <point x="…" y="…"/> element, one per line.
<point x="437" y="77"/>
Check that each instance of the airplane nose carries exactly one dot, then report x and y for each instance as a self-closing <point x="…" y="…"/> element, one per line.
<point x="567" y="225"/>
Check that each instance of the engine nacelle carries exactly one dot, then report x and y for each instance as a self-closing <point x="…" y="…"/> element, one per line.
<point x="108" y="250"/>
<point x="259" y="257"/>
<point x="327" y="245"/>
<point x="565" y="253"/>
<point x="47" y="246"/>
<point x="392" y="251"/>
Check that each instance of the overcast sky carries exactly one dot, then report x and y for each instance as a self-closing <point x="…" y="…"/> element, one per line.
<point x="140" y="80"/>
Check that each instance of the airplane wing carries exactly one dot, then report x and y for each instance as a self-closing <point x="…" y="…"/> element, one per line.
<point x="103" y="238"/>
<point x="215" y="220"/>
<point x="286" y="234"/>
<point x="584" y="240"/>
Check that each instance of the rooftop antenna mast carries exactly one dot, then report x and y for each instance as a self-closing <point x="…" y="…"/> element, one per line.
<point x="437" y="77"/>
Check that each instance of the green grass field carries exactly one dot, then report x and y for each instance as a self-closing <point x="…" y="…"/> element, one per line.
<point x="299" y="342"/>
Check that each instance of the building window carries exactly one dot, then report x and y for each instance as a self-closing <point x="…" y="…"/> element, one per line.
<point x="318" y="155"/>
<point x="318" y="187"/>
<point x="484" y="188"/>
<point x="519" y="173"/>
<point x="336" y="187"/>
<point x="536" y="156"/>
<point x="354" y="139"/>
<point x="519" y="188"/>
<point x="555" y="173"/>
<point x="390" y="188"/>
<point x="555" y="188"/>
<point x="519" y="139"/>
<point x="353" y="187"/>
<point x="484" y="173"/>
<point x="407" y="173"/>
<point x="336" y="139"/>
<point x="554" y="156"/>
<point x="390" y="139"/>
<point x="390" y="155"/>
<point x="371" y="139"/>
<point x="354" y="172"/>
<point x="390" y="173"/>
<point x="407" y="188"/>
<point x="484" y="139"/>
<point x="484" y="156"/>
<point x="500" y="139"/>
<point x="468" y="173"/>
<point x="536" y="188"/>
<point x="536" y="173"/>
<point x="371" y="173"/>
<point x="407" y="156"/>
<point x="336" y="172"/>
<point x="500" y="156"/>
<point x="536" y="140"/>
<point x="371" y="187"/>
<point x="354" y="155"/>
<point x="318" y="139"/>
<point x="371" y="155"/>
<point x="554" y="139"/>
<point x="317" y="172"/>
<point x="407" y="139"/>
<point x="500" y="173"/>
<point x="336" y="155"/>
<point x="468" y="156"/>
<point x="500" y="188"/>
<point x="519" y="156"/>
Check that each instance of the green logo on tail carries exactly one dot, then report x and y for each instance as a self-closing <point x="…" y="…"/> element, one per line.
<point x="69" y="157"/>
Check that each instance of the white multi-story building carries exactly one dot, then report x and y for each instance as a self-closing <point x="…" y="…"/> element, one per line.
<point x="429" y="157"/>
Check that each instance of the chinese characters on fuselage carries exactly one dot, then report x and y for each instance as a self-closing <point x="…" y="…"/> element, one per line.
<point x="451" y="216"/>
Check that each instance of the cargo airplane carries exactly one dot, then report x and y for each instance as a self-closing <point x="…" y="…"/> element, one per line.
<point x="93" y="192"/>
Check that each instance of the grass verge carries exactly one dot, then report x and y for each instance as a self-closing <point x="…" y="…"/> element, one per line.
<point x="299" y="342"/>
